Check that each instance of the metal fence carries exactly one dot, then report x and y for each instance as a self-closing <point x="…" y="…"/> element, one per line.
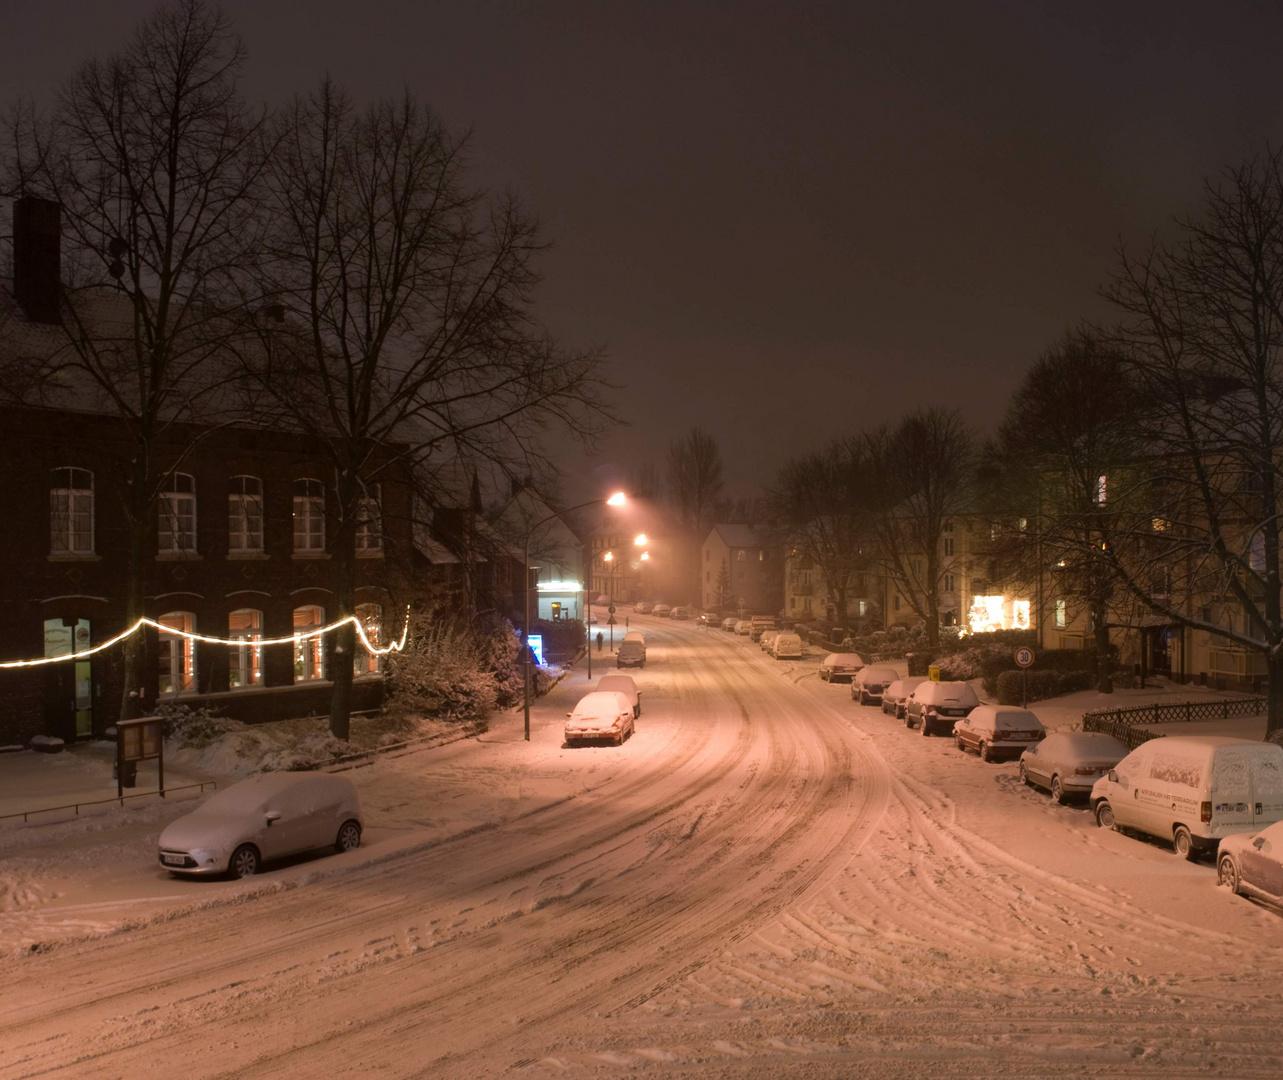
<point x="1130" y="726"/>
<point x="118" y="799"/>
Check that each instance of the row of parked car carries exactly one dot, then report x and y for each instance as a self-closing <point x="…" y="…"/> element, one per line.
<point x="1206" y="795"/>
<point x="664" y="611"/>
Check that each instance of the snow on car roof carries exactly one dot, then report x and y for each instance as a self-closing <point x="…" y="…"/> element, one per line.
<point x="617" y="683"/>
<point x="256" y="789"/>
<point x="634" y="635"/>
<point x="937" y="693"/>
<point x="879" y="673"/>
<point x="1003" y="717"/>
<point x="843" y="658"/>
<point x="603" y="703"/>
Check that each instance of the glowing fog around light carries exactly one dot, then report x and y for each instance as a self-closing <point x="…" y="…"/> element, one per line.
<point x="370" y="647"/>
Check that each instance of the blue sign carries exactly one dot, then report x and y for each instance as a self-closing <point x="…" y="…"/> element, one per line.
<point x="535" y="641"/>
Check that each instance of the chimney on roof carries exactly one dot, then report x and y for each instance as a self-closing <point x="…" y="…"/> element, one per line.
<point x="37" y="258"/>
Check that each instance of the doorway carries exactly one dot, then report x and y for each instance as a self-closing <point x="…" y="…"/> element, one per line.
<point x="68" y="686"/>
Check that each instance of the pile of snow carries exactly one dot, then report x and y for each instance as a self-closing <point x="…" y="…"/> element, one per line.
<point x="48" y="744"/>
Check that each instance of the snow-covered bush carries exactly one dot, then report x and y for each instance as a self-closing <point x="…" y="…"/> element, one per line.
<point x="897" y="632"/>
<point x="194" y="727"/>
<point x="448" y="672"/>
<point x="975" y="663"/>
<point x="309" y="752"/>
<point x="1009" y="686"/>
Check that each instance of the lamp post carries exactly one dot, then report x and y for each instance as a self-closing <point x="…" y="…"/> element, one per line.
<point x="617" y="499"/>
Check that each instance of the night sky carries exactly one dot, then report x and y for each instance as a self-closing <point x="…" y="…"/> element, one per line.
<point x="787" y="222"/>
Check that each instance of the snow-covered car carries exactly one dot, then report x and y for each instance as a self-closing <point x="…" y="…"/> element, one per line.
<point x="938" y="705"/>
<point x="681" y="611"/>
<point x="729" y="624"/>
<point x="1251" y="864"/>
<point x="236" y="830"/>
<point x="604" y="714"/>
<point x="897" y="693"/>
<point x="767" y="638"/>
<point x="786" y="646"/>
<point x="622" y="684"/>
<point x="643" y="607"/>
<point x="1193" y="790"/>
<point x="1070" y="762"/>
<point x="632" y="650"/>
<point x="995" y="731"/>
<point x="840" y="665"/>
<point x="869" y="682"/>
<point x="662" y="610"/>
<point x="743" y="627"/>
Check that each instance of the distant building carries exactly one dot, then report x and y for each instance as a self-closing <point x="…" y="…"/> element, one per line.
<point x="754" y="571"/>
<point x="556" y="554"/>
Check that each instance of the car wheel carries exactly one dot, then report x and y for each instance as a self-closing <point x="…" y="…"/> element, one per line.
<point x="926" y="727"/>
<point x="957" y="741"/>
<point x="1183" y="842"/>
<point x="1105" y="815"/>
<point x="908" y="720"/>
<point x="1057" y="791"/>
<point x="1227" y="874"/>
<point x="983" y="750"/>
<point x="244" y="862"/>
<point x="349" y="838"/>
<point x="1024" y="774"/>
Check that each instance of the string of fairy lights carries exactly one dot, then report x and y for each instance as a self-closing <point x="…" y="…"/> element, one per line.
<point x="294" y="639"/>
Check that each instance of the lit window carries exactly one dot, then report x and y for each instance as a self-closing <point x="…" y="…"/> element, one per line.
<point x="245" y="661"/>
<point x="369" y="525"/>
<point x="1023" y="524"/>
<point x="177" y="526"/>
<point x="309" y="516"/>
<point x="309" y="652"/>
<point x="1158" y="524"/>
<point x="71" y="512"/>
<point x="1061" y="614"/>
<point x="371" y="617"/>
<point x="1101" y="489"/>
<point x="245" y="514"/>
<point x="1020" y="614"/>
<point x="177" y="653"/>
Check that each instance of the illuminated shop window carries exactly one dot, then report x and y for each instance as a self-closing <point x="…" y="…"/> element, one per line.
<point x="245" y="661"/>
<point x="309" y="653"/>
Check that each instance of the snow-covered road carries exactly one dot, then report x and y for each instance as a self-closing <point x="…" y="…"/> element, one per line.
<point x="767" y="880"/>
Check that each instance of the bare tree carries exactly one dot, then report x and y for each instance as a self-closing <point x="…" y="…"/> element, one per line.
<point x="694" y="491"/>
<point x="409" y="339"/>
<point x="918" y="479"/>
<point x="1203" y="334"/>
<point x="816" y="506"/>
<point x="152" y="156"/>
<point x="1070" y="426"/>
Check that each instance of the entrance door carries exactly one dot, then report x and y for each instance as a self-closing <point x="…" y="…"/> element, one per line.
<point x="68" y="685"/>
<point x="1160" y="651"/>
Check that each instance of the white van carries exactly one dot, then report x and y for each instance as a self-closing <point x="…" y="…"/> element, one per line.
<point x="1193" y="790"/>
<point x="786" y="646"/>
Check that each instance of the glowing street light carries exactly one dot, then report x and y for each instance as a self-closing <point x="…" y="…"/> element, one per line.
<point x="640" y="540"/>
<point x="645" y="555"/>
<point x="617" y="499"/>
<point x="609" y="556"/>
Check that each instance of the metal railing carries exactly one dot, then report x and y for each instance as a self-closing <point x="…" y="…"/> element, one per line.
<point x="119" y="799"/>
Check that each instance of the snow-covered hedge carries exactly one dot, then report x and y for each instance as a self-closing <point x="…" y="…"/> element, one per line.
<point x="1008" y="687"/>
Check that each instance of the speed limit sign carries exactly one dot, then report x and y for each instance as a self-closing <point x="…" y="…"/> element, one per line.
<point x="1024" y="656"/>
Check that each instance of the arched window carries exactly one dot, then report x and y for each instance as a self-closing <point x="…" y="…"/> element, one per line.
<point x="245" y="515"/>
<point x="371" y="617"/>
<point x="177" y="653"/>
<point x="245" y="661"/>
<point x="309" y="652"/>
<point x="309" y="516"/>
<point x="177" y="526"/>
<point x="71" y="512"/>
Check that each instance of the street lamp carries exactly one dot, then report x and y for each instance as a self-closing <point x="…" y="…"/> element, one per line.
<point x="617" y="499"/>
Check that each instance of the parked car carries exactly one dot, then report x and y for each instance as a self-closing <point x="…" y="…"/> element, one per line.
<point x="622" y="684"/>
<point x="743" y="627"/>
<point x="680" y="612"/>
<point x="643" y="607"/>
<point x="236" y="830"/>
<point x="995" y="731"/>
<point x="869" y="682"/>
<point x="600" y="715"/>
<point x="632" y="650"/>
<point x="729" y="624"/>
<point x="764" y="622"/>
<point x="786" y="646"/>
<point x="1070" y="762"/>
<point x="840" y="665"/>
<point x="1251" y="864"/>
<point x="938" y="705"/>
<point x="662" y="610"/>
<point x="767" y="639"/>
<point x="1193" y="790"/>
<point x="897" y="693"/>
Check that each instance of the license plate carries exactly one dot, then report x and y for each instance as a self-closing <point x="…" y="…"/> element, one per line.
<point x="176" y="860"/>
<point x="952" y="712"/>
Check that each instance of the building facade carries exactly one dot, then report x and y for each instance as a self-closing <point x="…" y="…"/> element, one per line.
<point x="741" y="571"/>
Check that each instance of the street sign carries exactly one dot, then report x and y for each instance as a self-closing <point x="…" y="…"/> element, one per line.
<point x="610" y="621"/>
<point x="611" y="609"/>
<point x="1024" y="656"/>
<point x="933" y="673"/>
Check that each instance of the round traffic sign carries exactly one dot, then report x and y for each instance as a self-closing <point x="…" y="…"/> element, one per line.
<point x="1024" y="656"/>
<point x="611" y="609"/>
